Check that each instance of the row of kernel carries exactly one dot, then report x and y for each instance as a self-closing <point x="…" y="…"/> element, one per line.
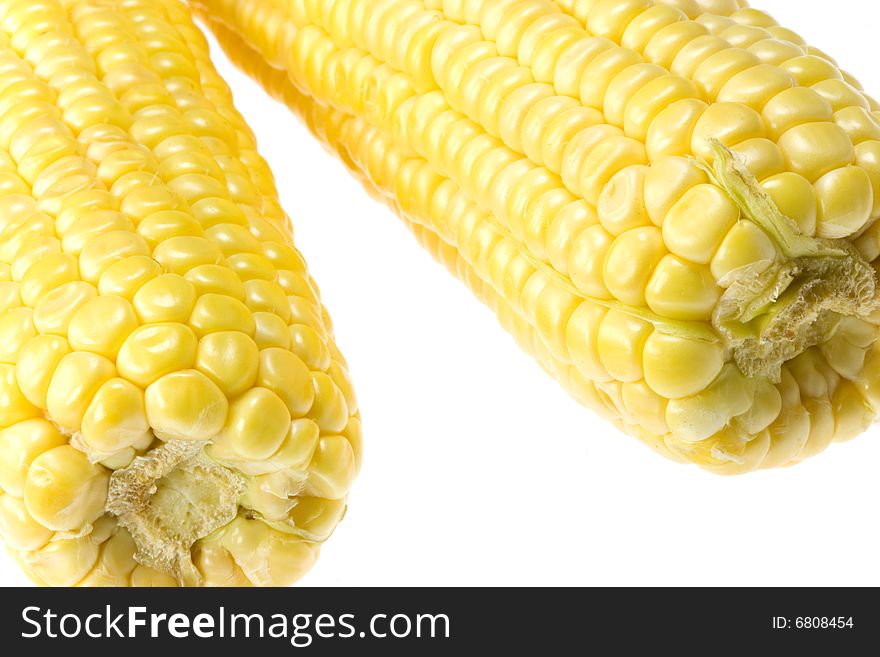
<point x="655" y="86"/>
<point x="218" y="118"/>
<point x="837" y="113"/>
<point x="66" y="457"/>
<point x="548" y="105"/>
<point x="518" y="290"/>
<point x="631" y="405"/>
<point x="260" y="399"/>
<point x="59" y="268"/>
<point x="446" y="223"/>
<point x="542" y="227"/>
<point x="842" y="201"/>
<point x="511" y="138"/>
<point x="261" y="197"/>
<point x="35" y="449"/>
<point x="526" y="335"/>
<point x="333" y="459"/>
<point x="610" y="347"/>
<point x="843" y="196"/>
<point x="234" y="239"/>
<point x="758" y="31"/>
<point x="739" y="75"/>
<point x="811" y="413"/>
<point x="615" y="258"/>
<point x="104" y="556"/>
<point x="359" y="136"/>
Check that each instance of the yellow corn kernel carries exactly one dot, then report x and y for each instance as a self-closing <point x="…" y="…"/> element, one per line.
<point x="20" y="444"/>
<point x="796" y="199"/>
<point x="63" y="491"/>
<point x="682" y="290"/>
<point x="332" y="469"/>
<point x="90" y="225"/>
<point x="48" y="275"/>
<point x="329" y="409"/>
<point x="756" y="86"/>
<point x="762" y="157"/>
<point x="218" y="312"/>
<point x="810" y="70"/>
<point x="852" y="412"/>
<point x="840" y="94"/>
<point x="77" y="377"/>
<point x="180" y="254"/>
<point x="216" y="279"/>
<point x="645" y="407"/>
<point x="701" y="416"/>
<point x="621" y="341"/>
<point x="266" y="296"/>
<point x="250" y="266"/>
<point x="630" y="262"/>
<point x="116" y="418"/>
<point x="230" y="359"/>
<point x="217" y="566"/>
<point x="586" y="259"/>
<point x="143" y="576"/>
<point x="153" y="350"/>
<point x="622" y="205"/>
<point x="729" y="123"/>
<point x="845" y="200"/>
<point x="847" y="351"/>
<point x="115" y="563"/>
<point x="101" y="325"/>
<point x="165" y="298"/>
<point x="257" y="424"/>
<point x="125" y="277"/>
<point x="267" y="557"/>
<point x="185" y="405"/>
<point x="794" y="107"/>
<point x="858" y="123"/>
<point x="745" y="248"/>
<point x="308" y="344"/>
<point x="671" y="131"/>
<point x="696" y="224"/>
<point x="16" y="329"/>
<point x="55" y="310"/>
<point x="165" y="224"/>
<point x="814" y="149"/>
<point x="662" y="374"/>
<point x="868" y="159"/>
<point x="666" y="182"/>
<point x="315" y="516"/>
<point x="298" y="446"/>
<point x="102" y="251"/>
<point x="63" y="562"/>
<point x="18" y="528"/>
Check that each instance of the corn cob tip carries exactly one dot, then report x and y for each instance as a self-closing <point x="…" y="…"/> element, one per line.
<point x="769" y="317"/>
<point x="170" y="498"/>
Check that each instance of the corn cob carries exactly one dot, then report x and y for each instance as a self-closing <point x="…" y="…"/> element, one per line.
<point x="675" y="217"/>
<point x="173" y="407"/>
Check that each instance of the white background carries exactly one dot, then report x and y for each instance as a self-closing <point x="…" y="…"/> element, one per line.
<point x="480" y="470"/>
